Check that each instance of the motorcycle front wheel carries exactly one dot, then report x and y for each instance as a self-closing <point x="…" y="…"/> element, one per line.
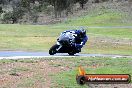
<point x="52" y="50"/>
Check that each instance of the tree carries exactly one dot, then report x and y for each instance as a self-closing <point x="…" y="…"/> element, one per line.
<point x="82" y="2"/>
<point x="61" y="5"/>
<point x="1" y="10"/>
<point x="20" y="7"/>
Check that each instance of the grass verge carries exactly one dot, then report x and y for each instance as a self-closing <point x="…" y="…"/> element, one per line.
<point x="58" y="72"/>
<point x="42" y="37"/>
<point x="95" y="65"/>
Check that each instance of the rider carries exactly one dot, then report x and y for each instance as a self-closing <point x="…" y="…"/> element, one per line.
<point x="80" y="38"/>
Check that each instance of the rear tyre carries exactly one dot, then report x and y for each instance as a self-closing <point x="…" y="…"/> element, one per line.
<point x="52" y="50"/>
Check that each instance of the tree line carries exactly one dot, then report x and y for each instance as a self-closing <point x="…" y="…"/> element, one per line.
<point x="18" y="8"/>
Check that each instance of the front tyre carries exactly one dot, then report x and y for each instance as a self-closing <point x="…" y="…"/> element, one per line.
<point x="52" y="50"/>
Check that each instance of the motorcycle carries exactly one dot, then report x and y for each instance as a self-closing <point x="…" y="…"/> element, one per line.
<point x="64" y="44"/>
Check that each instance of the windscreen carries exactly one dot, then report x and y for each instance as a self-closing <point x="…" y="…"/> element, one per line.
<point x="67" y="35"/>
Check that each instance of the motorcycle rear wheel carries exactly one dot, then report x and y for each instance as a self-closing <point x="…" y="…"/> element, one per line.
<point x="52" y="50"/>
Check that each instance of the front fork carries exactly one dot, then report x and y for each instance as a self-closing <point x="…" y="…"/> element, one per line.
<point x="60" y="46"/>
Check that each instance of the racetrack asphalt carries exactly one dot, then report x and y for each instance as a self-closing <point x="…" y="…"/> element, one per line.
<point x="27" y="54"/>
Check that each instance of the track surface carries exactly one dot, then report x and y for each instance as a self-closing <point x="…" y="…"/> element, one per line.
<point x="25" y="55"/>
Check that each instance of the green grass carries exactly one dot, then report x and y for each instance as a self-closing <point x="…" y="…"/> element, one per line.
<point x="42" y="37"/>
<point x="16" y="70"/>
<point x="100" y="17"/>
<point x="91" y="65"/>
<point x="30" y="82"/>
<point x="8" y="61"/>
<point x="108" y="19"/>
<point x="22" y="71"/>
<point x="16" y="30"/>
<point x="66" y="78"/>
<point x="112" y="32"/>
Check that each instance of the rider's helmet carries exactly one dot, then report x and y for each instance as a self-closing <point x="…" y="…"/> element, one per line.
<point x="82" y="32"/>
